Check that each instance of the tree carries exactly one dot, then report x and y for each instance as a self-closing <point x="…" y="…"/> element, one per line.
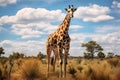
<point x="101" y="55"/>
<point x="110" y="55"/>
<point x="40" y="55"/>
<point x="92" y="47"/>
<point x="88" y="55"/>
<point x="1" y="51"/>
<point x="16" y="55"/>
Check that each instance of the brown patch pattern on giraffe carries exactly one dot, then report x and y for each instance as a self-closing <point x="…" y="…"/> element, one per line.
<point x="59" y="41"/>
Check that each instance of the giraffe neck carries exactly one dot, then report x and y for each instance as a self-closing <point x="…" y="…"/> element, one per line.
<point x="65" y="24"/>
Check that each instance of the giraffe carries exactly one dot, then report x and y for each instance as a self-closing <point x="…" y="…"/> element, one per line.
<point x="59" y="42"/>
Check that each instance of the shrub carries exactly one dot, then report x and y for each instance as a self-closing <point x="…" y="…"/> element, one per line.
<point x="80" y="68"/>
<point x="94" y="74"/>
<point x="101" y="55"/>
<point x="71" y="70"/>
<point x="30" y="70"/>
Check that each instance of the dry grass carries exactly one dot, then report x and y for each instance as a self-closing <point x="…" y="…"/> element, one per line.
<point x="98" y="69"/>
<point x="34" y="69"/>
<point x="30" y="70"/>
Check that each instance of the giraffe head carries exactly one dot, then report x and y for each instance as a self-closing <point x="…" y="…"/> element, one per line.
<point x="70" y="10"/>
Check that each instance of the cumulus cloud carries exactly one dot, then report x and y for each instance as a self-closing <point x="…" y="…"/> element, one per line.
<point x="113" y="37"/>
<point x="34" y="23"/>
<point x="28" y="15"/>
<point x="39" y="14"/>
<point x="31" y="22"/>
<point x="27" y="47"/>
<point x="110" y="42"/>
<point x="116" y="4"/>
<point x="116" y="7"/>
<point x="6" y="2"/>
<point x="107" y="29"/>
<point x="26" y="31"/>
<point x="93" y="13"/>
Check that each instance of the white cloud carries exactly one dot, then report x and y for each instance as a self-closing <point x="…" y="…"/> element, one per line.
<point x="27" y="47"/>
<point x="27" y="31"/>
<point x="116" y="7"/>
<point x="93" y="13"/>
<point x="39" y="14"/>
<point x="6" y="2"/>
<point x="34" y="23"/>
<point x="116" y="4"/>
<point x="75" y="27"/>
<point x="112" y="38"/>
<point x="31" y="22"/>
<point x="110" y="42"/>
<point x="107" y="29"/>
<point x="32" y="15"/>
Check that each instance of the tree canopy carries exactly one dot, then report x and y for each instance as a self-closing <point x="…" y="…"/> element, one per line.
<point x="92" y="47"/>
<point x="101" y="55"/>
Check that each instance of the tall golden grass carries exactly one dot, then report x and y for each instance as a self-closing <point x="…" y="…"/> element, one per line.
<point x="95" y="69"/>
<point x="30" y="70"/>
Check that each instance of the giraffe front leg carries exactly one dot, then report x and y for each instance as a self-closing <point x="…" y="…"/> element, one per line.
<point x="61" y="62"/>
<point x="65" y="59"/>
<point x="65" y="63"/>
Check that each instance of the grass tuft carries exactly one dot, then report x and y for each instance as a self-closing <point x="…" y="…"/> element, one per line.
<point x="30" y="70"/>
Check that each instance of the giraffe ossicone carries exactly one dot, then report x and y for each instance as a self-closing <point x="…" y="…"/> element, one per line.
<point x="59" y="41"/>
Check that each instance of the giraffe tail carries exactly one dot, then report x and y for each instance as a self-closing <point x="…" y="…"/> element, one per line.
<point x="52" y="59"/>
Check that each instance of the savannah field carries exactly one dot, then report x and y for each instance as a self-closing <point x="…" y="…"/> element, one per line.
<point x="33" y="68"/>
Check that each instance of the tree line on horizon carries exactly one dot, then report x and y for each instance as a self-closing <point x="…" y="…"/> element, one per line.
<point x="92" y="48"/>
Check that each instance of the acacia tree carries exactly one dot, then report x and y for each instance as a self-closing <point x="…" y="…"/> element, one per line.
<point x="101" y="55"/>
<point x="1" y="51"/>
<point x="92" y="47"/>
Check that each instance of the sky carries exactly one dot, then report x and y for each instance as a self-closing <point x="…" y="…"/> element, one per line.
<point x="26" y="24"/>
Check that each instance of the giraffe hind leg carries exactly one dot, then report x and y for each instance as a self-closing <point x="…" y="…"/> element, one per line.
<point x="54" y="58"/>
<point x="49" y="50"/>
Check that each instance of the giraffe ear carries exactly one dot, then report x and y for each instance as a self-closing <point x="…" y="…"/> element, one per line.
<point x="66" y="9"/>
<point x="75" y="9"/>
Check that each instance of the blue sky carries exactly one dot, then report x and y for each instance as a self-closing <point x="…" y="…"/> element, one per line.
<point x="26" y="24"/>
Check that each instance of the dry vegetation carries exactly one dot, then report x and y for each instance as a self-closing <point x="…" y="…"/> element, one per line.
<point x="77" y="69"/>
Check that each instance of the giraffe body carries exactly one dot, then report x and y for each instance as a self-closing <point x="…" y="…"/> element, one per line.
<point x="59" y="42"/>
